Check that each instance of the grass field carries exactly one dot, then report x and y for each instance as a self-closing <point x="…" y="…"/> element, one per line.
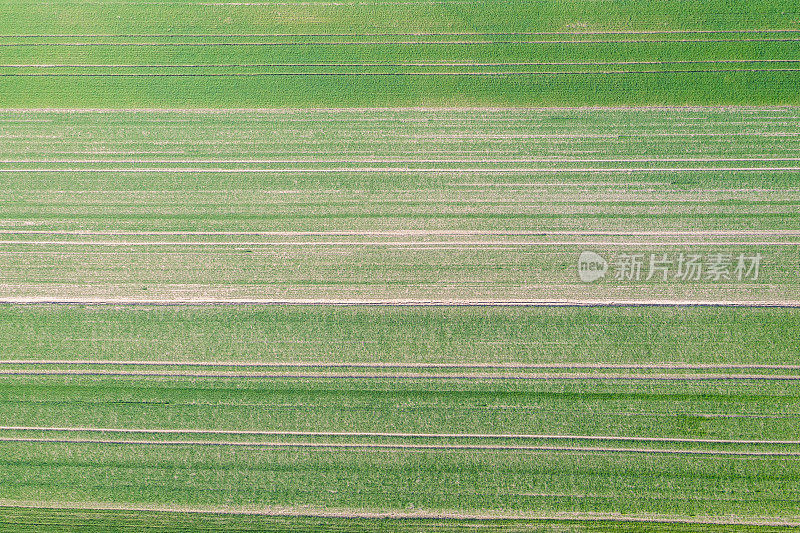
<point x="425" y="265"/>
<point x="508" y="415"/>
<point x="443" y="53"/>
<point x="289" y="408"/>
<point x="390" y="206"/>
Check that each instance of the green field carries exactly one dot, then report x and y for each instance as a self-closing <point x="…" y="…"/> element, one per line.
<point x="110" y="521"/>
<point x="424" y="265"/>
<point x="449" y="439"/>
<point x="445" y="53"/>
<point x="536" y="398"/>
<point x="391" y="206"/>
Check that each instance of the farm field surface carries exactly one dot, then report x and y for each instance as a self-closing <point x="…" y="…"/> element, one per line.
<point x="424" y="265"/>
<point x="433" y="53"/>
<point x="453" y="369"/>
<point x="521" y="413"/>
<point x="445" y="206"/>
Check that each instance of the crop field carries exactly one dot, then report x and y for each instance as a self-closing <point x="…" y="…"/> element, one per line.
<point x="449" y="366"/>
<point x="130" y="53"/>
<point x="426" y="265"/>
<point x="336" y="206"/>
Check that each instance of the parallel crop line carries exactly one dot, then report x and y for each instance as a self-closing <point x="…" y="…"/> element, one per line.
<point x="407" y="64"/>
<point x="415" y="514"/>
<point x="396" y="514"/>
<point x="521" y="436"/>
<point x="410" y="233"/>
<point x="400" y="34"/>
<point x="393" y="302"/>
<point x="311" y="364"/>
<point x="407" y="160"/>
<point x="406" y="43"/>
<point x="432" y="137"/>
<point x="355" y="111"/>
<point x="399" y="169"/>
<point x="412" y="375"/>
<point x="402" y="446"/>
<point x="340" y="74"/>
<point x="392" y="244"/>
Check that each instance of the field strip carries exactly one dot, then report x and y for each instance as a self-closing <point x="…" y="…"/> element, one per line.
<point x="406" y="42"/>
<point x="356" y="110"/>
<point x="615" y="136"/>
<point x="313" y="512"/>
<point x="615" y="187"/>
<point x="374" y="170"/>
<point x="395" y="244"/>
<point x="398" y="34"/>
<point x="576" y="376"/>
<point x="402" y="160"/>
<point x="311" y="364"/>
<point x="403" y="64"/>
<point x="411" y="233"/>
<point x="645" y="186"/>
<point x="398" y="435"/>
<point x="37" y="300"/>
<point x="403" y="446"/>
<point x="376" y="312"/>
<point x="384" y="73"/>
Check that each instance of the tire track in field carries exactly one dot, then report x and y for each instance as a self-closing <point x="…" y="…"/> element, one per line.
<point x="488" y="436"/>
<point x="400" y="34"/>
<point x="407" y="64"/>
<point x="353" y="112"/>
<point x="390" y="244"/>
<point x="402" y="160"/>
<point x="313" y="364"/>
<point x="403" y="446"/>
<point x="413" y="233"/>
<point x="480" y="42"/>
<point x="383" y="74"/>
<point x="410" y="375"/>
<point x="308" y="512"/>
<point x="376" y="170"/>
<point x="355" y="302"/>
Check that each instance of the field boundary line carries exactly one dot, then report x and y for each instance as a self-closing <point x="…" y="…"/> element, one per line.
<point x="402" y="446"/>
<point x="309" y="512"/>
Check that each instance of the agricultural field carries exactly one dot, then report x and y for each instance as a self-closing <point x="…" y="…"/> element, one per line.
<point x="428" y="413"/>
<point x="332" y="314"/>
<point x="399" y="266"/>
<point x="443" y="206"/>
<point x="199" y="54"/>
